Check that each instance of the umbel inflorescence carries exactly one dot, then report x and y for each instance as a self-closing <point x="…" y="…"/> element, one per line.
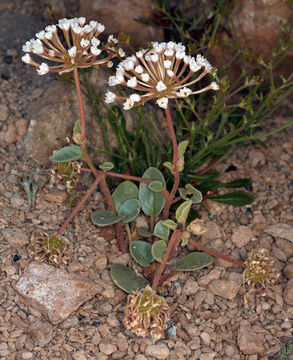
<point x="162" y="72"/>
<point x="71" y="43"/>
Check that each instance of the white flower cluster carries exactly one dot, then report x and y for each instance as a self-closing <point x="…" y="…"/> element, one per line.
<point x="81" y="49"/>
<point x="162" y="72"/>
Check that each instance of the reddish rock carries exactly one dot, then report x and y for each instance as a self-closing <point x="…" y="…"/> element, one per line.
<point x="54" y="292"/>
<point x="288" y="292"/>
<point x="242" y="236"/>
<point x="280" y="230"/>
<point x="212" y="275"/>
<point x="56" y="196"/>
<point x="119" y="16"/>
<point x="227" y="289"/>
<point x="249" y="342"/>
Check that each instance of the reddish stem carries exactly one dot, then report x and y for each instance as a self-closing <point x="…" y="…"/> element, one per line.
<point x="216" y="254"/>
<point x="171" y="245"/>
<point x="80" y="204"/>
<point x="170" y="198"/>
<point x="80" y="101"/>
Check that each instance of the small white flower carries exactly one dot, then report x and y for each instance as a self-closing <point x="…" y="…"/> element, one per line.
<point x="161" y="86"/>
<point x="132" y="82"/>
<point x="129" y="64"/>
<point x="140" y="53"/>
<point x="72" y="52"/>
<point x="180" y="47"/>
<point x="155" y="58"/>
<point x="110" y="97"/>
<point x="52" y="53"/>
<point x="180" y="55"/>
<point x="43" y="69"/>
<point x="81" y="21"/>
<point x="64" y="24"/>
<point x="145" y="77"/>
<point x="203" y="62"/>
<point x="121" y="53"/>
<point x="95" y="41"/>
<point x="109" y="64"/>
<point x="171" y="45"/>
<point x="41" y="35"/>
<point x="119" y="76"/>
<point x="186" y="59"/>
<point x="128" y="104"/>
<point x="100" y="28"/>
<point x="26" y="58"/>
<point x="113" y="81"/>
<point x="163" y="103"/>
<point x="76" y="29"/>
<point x="135" y="97"/>
<point x="185" y="92"/>
<point x="138" y="69"/>
<point x="193" y="65"/>
<point x="87" y="29"/>
<point x="84" y="43"/>
<point x="167" y="64"/>
<point x="27" y="47"/>
<point x="111" y="38"/>
<point x="169" y="52"/>
<point x="95" y="51"/>
<point x="214" y="86"/>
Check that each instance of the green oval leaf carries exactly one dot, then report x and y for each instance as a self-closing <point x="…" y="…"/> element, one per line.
<point x="182" y="211"/>
<point x="68" y="153"/>
<point x="191" y="193"/>
<point x="106" y="166"/>
<point x="194" y="261"/>
<point x="158" y="249"/>
<point x="141" y="251"/>
<point x="130" y="210"/>
<point x="169" y="166"/>
<point x="125" y="191"/>
<point x="237" y="183"/>
<point x="145" y="232"/>
<point x="126" y="279"/>
<point x="170" y="224"/>
<point x="156" y="186"/>
<point x="161" y="231"/>
<point x="105" y="218"/>
<point x="152" y="203"/>
<point x="236" y="198"/>
<point x="182" y="148"/>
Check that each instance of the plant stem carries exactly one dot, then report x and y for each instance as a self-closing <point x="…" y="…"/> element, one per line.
<point x="80" y="204"/>
<point x="171" y="245"/>
<point x="98" y="174"/>
<point x="216" y="254"/>
<point x="80" y="101"/>
<point x="170" y="198"/>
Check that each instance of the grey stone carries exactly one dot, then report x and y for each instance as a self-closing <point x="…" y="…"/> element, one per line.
<point x="41" y="332"/>
<point x="280" y="230"/>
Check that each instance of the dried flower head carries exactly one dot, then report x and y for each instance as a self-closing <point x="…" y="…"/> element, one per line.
<point x="259" y="272"/>
<point x="196" y="227"/>
<point x="146" y="310"/>
<point x="162" y="72"/>
<point x="51" y="248"/>
<point x="66" y="172"/>
<point x="71" y="43"/>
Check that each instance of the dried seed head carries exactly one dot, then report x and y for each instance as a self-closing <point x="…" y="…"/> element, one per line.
<point x="70" y="44"/>
<point x="146" y="311"/>
<point x="259" y="271"/>
<point x="160" y="73"/>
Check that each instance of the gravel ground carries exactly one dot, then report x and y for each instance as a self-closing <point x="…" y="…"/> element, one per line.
<point x="207" y="306"/>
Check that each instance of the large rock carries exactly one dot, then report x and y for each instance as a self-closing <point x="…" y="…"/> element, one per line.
<point x="280" y="230"/>
<point x="52" y="119"/>
<point x="288" y="292"/>
<point x="258" y="28"/>
<point x="54" y="292"/>
<point x="249" y="341"/>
